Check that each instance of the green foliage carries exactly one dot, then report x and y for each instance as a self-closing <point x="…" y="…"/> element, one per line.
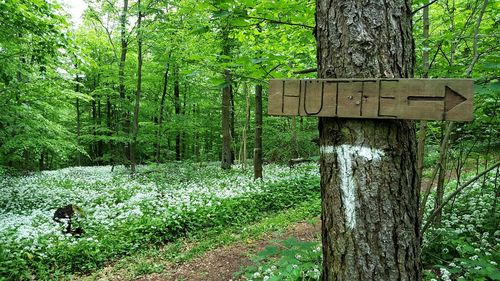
<point x="123" y="215"/>
<point x="290" y="260"/>
<point x="465" y="246"/>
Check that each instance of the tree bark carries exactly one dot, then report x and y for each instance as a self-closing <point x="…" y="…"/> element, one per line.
<point x="244" y="134"/>
<point x="442" y="170"/>
<point x="162" y="109"/>
<point x="233" y="128"/>
<point x="257" y="151"/>
<point x="121" y="80"/>
<point x="370" y="199"/>
<point x="226" y="122"/>
<point x="135" y="131"/>
<point x="295" y="140"/>
<point x="177" y="107"/>
<point x="110" y="129"/>
<point x="423" y="124"/>
<point x="78" y="122"/>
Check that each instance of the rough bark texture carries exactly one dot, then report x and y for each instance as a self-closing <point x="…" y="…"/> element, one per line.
<point x="257" y="151"/>
<point x="368" y="176"/>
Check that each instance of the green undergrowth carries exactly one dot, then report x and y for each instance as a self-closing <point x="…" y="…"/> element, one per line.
<point x="465" y="246"/>
<point x="125" y="215"/>
<point x="156" y="258"/>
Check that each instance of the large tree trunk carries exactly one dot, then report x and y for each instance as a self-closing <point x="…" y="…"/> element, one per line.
<point x="368" y="176"/>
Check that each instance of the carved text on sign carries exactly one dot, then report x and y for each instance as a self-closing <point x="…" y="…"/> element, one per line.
<point x="423" y="99"/>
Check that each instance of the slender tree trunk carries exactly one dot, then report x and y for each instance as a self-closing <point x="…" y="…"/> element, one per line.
<point x="121" y="80"/>
<point x="99" y="124"/>
<point x="423" y="124"/>
<point x="475" y="57"/>
<point x="442" y="171"/>
<point x="226" y="122"/>
<point x="94" y="131"/>
<point x="110" y="129"/>
<point x="159" y="134"/>
<point x="244" y="135"/>
<point x="257" y="151"/>
<point x="41" y="162"/>
<point x="78" y="122"/>
<point x="370" y="199"/>
<point x="295" y="140"/>
<point x="133" y="150"/>
<point x="233" y="128"/>
<point x="177" y="106"/>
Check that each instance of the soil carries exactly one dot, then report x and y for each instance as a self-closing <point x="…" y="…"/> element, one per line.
<point x="222" y="263"/>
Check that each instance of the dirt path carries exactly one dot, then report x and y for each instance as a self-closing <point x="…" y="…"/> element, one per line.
<point x="220" y="264"/>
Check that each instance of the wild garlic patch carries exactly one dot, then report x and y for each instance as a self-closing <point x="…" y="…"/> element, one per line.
<point x="122" y="213"/>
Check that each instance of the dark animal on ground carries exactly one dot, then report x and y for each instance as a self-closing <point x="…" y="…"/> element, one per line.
<point x="68" y="212"/>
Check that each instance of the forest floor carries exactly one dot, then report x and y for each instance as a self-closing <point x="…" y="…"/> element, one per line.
<point x="214" y="257"/>
<point x="223" y="262"/>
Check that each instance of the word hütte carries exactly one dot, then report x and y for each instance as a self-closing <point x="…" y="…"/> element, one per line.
<point x="422" y="99"/>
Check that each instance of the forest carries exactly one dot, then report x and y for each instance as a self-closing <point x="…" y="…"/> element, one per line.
<point x="136" y="144"/>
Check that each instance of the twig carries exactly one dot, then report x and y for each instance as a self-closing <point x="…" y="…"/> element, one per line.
<point x="424" y="6"/>
<point x="455" y="193"/>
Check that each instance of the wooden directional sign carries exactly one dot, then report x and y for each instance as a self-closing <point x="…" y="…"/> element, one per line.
<point x="422" y="99"/>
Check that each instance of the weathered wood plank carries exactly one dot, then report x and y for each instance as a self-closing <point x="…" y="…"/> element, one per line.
<point x="421" y="99"/>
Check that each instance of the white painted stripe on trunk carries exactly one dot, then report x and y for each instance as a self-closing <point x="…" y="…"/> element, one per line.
<point x="345" y="155"/>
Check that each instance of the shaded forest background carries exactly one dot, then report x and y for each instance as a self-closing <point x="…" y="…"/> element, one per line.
<point x="143" y="81"/>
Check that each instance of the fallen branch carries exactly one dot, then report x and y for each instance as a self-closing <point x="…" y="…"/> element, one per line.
<point x="455" y="193"/>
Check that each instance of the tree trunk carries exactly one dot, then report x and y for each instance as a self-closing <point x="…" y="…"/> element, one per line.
<point x="177" y="106"/>
<point x="78" y="122"/>
<point x="257" y="151"/>
<point x="233" y="128"/>
<point x="295" y="140"/>
<point x="110" y="129"/>
<point x="41" y="162"/>
<point x="162" y="109"/>
<point x="226" y="122"/>
<point x="423" y="124"/>
<point x="135" y="132"/>
<point x="94" y="131"/>
<point x="442" y="171"/>
<point x="121" y="80"/>
<point x="370" y="199"/>
<point x="244" y="134"/>
<point x="99" y="124"/>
